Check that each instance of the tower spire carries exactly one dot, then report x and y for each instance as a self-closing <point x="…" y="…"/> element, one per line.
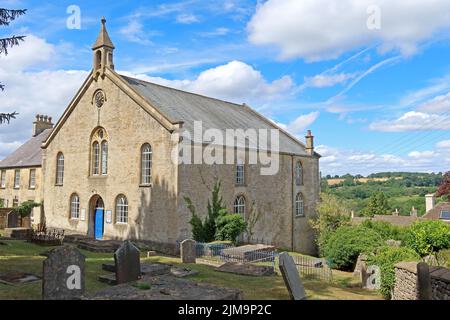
<point x="103" y="50"/>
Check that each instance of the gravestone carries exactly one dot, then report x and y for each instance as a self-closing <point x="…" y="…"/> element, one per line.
<point x="128" y="263"/>
<point x="188" y="251"/>
<point x="424" y="281"/>
<point x="291" y="277"/>
<point x="63" y="274"/>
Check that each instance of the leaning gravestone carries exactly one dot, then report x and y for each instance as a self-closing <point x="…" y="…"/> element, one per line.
<point x="291" y="277"/>
<point x="128" y="263"/>
<point x="63" y="274"/>
<point x="188" y="251"/>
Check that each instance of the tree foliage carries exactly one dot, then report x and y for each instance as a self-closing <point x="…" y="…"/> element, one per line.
<point x="444" y="187"/>
<point x="24" y="210"/>
<point x="377" y="205"/>
<point x="428" y="237"/>
<point x="229" y="227"/>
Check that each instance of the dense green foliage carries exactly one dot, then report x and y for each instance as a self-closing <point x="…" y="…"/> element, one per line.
<point x="331" y="214"/>
<point x="24" y="210"/>
<point x="230" y="227"/>
<point x="387" y="230"/>
<point x="428" y="237"/>
<point x="344" y="245"/>
<point x="385" y="258"/>
<point x="377" y="205"/>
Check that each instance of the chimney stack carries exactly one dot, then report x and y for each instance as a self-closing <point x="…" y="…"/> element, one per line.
<point x="41" y="123"/>
<point x="414" y="212"/>
<point x="430" y="202"/>
<point x="310" y="143"/>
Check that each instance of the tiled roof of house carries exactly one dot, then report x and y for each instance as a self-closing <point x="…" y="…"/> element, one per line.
<point x="181" y="106"/>
<point x="395" y="220"/>
<point x="435" y="213"/>
<point x="27" y="155"/>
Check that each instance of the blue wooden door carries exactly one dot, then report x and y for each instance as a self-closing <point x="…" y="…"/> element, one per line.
<point x="99" y="223"/>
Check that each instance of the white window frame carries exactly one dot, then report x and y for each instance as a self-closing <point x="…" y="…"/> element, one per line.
<point x="95" y="158"/>
<point x="32" y="179"/>
<point x="74" y="207"/>
<point x="121" y="210"/>
<point x="146" y="164"/>
<point x="299" y="205"/>
<point x="240" y="174"/>
<point x="3" y="179"/>
<point x="104" y="165"/>
<point x="17" y="179"/>
<point x="239" y="206"/>
<point x="60" y="169"/>
<point x="15" y="203"/>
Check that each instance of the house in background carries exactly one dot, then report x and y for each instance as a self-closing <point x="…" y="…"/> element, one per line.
<point x="440" y="211"/>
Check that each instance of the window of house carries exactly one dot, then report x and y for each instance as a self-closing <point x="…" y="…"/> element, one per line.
<point x="239" y="205"/>
<point x="95" y="158"/>
<point x="32" y="182"/>
<point x="121" y="209"/>
<point x="298" y="173"/>
<point x="3" y="179"/>
<point x="445" y="215"/>
<point x="104" y="157"/>
<point x="240" y="174"/>
<point x="60" y="169"/>
<point x="15" y="203"/>
<point x="299" y="206"/>
<point x="146" y="164"/>
<point x="17" y="179"/>
<point x="74" y="207"/>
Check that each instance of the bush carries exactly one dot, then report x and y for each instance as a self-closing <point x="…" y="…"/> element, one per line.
<point x="428" y="237"/>
<point x="385" y="258"/>
<point x="345" y="245"/>
<point x="230" y="227"/>
<point x="387" y="230"/>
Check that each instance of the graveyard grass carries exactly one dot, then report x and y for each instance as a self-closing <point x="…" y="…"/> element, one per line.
<point x="25" y="257"/>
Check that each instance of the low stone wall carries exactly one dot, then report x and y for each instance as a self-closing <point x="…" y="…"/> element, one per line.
<point x="407" y="283"/>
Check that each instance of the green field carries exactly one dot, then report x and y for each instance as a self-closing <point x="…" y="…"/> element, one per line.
<point x="23" y="256"/>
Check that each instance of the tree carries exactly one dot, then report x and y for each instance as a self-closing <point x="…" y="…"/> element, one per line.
<point x="444" y="188"/>
<point x="377" y="205"/>
<point x="428" y="237"/>
<point x="6" y="17"/>
<point x="229" y="227"/>
<point x="24" y="210"/>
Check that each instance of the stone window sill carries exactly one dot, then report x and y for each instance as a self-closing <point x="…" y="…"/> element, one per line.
<point x="146" y="185"/>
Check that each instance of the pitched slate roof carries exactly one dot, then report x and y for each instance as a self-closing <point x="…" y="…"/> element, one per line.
<point x="27" y="155"/>
<point x="435" y="213"/>
<point x="186" y="107"/>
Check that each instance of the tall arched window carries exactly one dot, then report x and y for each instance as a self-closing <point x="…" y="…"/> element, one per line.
<point x="146" y="164"/>
<point x="104" y="158"/>
<point x="298" y="173"/>
<point x="299" y="206"/>
<point x="74" y="206"/>
<point x="121" y="209"/>
<point x="60" y="169"/>
<point x="95" y="158"/>
<point x="239" y="205"/>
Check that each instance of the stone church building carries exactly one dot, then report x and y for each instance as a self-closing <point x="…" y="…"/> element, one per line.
<point x="106" y="168"/>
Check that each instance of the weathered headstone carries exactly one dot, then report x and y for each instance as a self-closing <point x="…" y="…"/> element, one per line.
<point x="424" y="281"/>
<point x="291" y="277"/>
<point x="63" y="274"/>
<point x="188" y="251"/>
<point x="128" y="263"/>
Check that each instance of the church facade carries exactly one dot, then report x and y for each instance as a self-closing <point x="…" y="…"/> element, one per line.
<point x="110" y="166"/>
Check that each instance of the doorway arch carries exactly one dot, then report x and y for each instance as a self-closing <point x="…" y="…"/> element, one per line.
<point x="96" y="217"/>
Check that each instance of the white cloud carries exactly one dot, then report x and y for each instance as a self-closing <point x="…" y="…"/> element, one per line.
<point x="318" y="29"/>
<point x="235" y="81"/>
<point x="187" y="18"/>
<point x="438" y="104"/>
<point x="298" y="126"/>
<point x="413" y="121"/>
<point x="341" y="161"/>
<point x="215" y="33"/>
<point x="134" y="32"/>
<point x="325" y="80"/>
<point x="443" y="144"/>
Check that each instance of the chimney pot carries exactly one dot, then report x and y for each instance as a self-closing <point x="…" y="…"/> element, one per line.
<point x="310" y="143"/>
<point x="430" y="202"/>
<point x="41" y="123"/>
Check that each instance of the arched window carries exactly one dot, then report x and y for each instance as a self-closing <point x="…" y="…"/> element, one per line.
<point x="298" y="173"/>
<point x="104" y="158"/>
<point x="60" y="169"/>
<point x="239" y="205"/>
<point x="74" y="206"/>
<point x="121" y="209"/>
<point x="299" y="206"/>
<point x="95" y="158"/>
<point x="146" y="164"/>
<point x="240" y="173"/>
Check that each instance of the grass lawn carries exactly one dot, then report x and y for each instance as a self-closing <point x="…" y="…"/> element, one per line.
<point x="23" y="256"/>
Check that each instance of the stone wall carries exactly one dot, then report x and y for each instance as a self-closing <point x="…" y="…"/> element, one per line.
<point x="406" y="282"/>
<point x="4" y="218"/>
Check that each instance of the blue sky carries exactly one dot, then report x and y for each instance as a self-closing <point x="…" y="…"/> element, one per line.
<point x="372" y="83"/>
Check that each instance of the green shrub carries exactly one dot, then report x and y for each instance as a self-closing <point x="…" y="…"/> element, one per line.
<point x="387" y="230"/>
<point x="24" y="210"/>
<point x="428" y="237"/>
<point x="385" y="258"/>
<point x="345" y="244"/>
<point x="230" y="227"/>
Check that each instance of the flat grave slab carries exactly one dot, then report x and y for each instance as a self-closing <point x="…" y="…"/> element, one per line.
<point x="149" y="269"/>
<point x="249" y="252"/>
<point x="17" y="277"/>
<point x="166" y="287"/>
<point x="246" y="269"/>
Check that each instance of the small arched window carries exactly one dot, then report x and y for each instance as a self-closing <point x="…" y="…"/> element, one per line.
<point x="95" y="158"/>
<point x="299" y="206"/>
<point x="146" y="164"/>
<point x="299" y="173"/>
<point x="239" y="205"/>
<point x="60" y="169"/>
<point x="104" y="158"/>
<point x="74" y="206"/>
<point x="121" y="209"/>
